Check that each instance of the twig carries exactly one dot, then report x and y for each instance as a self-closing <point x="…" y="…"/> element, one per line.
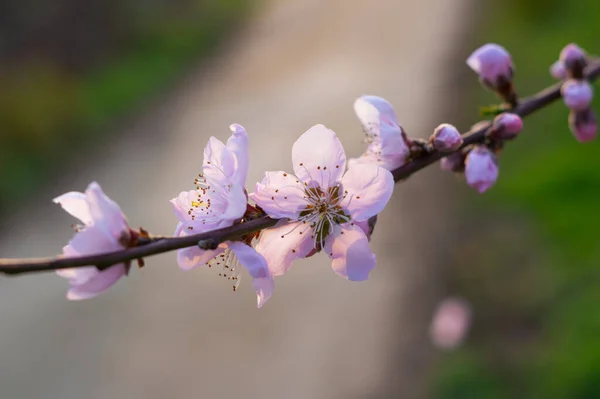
<point x="165" y="244"/>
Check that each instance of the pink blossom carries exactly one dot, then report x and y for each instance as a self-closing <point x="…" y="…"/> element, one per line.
<point x="572" y="55"/>
<point x="481" y="168"/>
<point x="218" y="201"/>
<point x="507" y="125"/>
<point x="493" y="64"/>
<point x="577" y="94"/>
<point x="387" y="145"/>
<point x="450" y="324"/>
<point x="446" y="138"/>
<point x="583" y="125"/>
<point x="558" y="70"/>
<point x="104" y="229"/>
<point x="323" y="206"/>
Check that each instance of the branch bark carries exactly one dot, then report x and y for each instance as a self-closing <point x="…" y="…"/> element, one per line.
<point x="155" y="246"/>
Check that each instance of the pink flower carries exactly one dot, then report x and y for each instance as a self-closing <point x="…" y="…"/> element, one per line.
<point x="450" y="324"/>
<point x="493" y="65"/>
<point x="507" y="125"/>
<point x="387" y="145"/>
<point x="323" y="206"/>
<point x="572" y="56"/>
<point x="577" y="94"/>
<point x="446" y="138"/>
<point x="220" y="201"/>
<point x="558" y="70"/>
<point x="481" y="168"/>
<point x="104" y="229"/>
<point x="583" y="125"/>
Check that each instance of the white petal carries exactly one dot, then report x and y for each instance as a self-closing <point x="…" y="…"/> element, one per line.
<point x="255" y="263"/>
<point x="105" y="212"/>
<point x="219" y="163"/>
<point x="281" y="195"/>
<point x="236" y="203"/>
<point x="318" y="156"/>
<point x="93" y="240"/>
<point x="351" y="256"/>
<point x="75" y="203"/>
<point x="97" y="284"/>
<point x="238" y="145"/>
<point x="283" y="244"/>
<point x="371" y="110"/>
<point x="191" y="257"/>
<point x="367" y="190"/>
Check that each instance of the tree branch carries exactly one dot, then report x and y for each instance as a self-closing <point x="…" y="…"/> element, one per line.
<point x="154" y="246"/>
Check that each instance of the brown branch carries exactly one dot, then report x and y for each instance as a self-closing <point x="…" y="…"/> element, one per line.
<point x="165" y="244"/>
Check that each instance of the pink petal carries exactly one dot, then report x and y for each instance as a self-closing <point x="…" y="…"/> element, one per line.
<point x="105" y="212"/>
<point x="371" y="110"/>
<point x="318" y="156"/>
<point x="191" y="257"/>
<point x="78" y="275"/>
<point x="96" y="284"/>
<point x="75" y="203"/>
<point x="369" y="188"/>
<point x="219" y="163"/>
<point x="255" y="263"/>
<point x="491" y="62"/>
<point x="238" y="145"/>
<point x="93" y="240"/>
<point x="481" y="169"/>
<point x="236" y="203"/>
<point x="558" y="70"/>
<point x="182" y="204"/>
<point x="283" y="244"/>
<point x="351" y="256"/>
<point x="281" y="195"/>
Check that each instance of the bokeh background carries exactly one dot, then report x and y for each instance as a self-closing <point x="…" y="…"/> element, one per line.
<point x="128" y="93"/>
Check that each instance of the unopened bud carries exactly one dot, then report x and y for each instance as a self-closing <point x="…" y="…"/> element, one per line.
<point x="446" y="138"/>
<point x="573" y="58"/>
<point x="454" y="162"/>
<point x="493" y="65"/>
<point x="558" y="70"/>
<point x="481" y="168"/>
<point x="583" y="125"/>
<point x="507" y="126"/>
<point x="577" y="94"/>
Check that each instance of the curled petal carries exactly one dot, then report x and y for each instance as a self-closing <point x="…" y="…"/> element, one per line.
<point x="75" y="203"/>
<point x="238" y="145"/>
<point x="283" y="244"/>
<point x="97" y="284"/>
<point x="255" y="263"/>
<point x="372" y="110"/>
<point x="318" y="157"/>
<point x="351" y="256"/>
<point x="105" y="212"/>
<point x="369" y="188"/>
<point x="219" y="163"/>
<point x="281" y="195"/>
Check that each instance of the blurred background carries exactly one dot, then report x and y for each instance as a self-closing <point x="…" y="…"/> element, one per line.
<point x="128" y="94"/>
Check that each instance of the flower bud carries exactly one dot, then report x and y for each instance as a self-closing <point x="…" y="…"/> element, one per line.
<point x="558" y="70"/>
<point x="577" y="94"/>
<point x="481" y="168"/>
<point x="573" y="58"/>
<point x="583" y="125"/>
<point x="446" y="138"/>
<point x="454" y="162"/>
<point x="493" y="65"/>
<point x="450" y="323"/>
<point x="507" y="126"/>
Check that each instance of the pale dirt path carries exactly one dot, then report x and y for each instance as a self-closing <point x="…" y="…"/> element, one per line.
<point x="165" y="333"/>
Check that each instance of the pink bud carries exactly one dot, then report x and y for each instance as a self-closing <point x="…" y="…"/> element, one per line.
<point x="450" y="323"/>
<point x="481" y="168"/>
<point x="493" y="64"/>
<point x="577" y="94"/>
<point x="572" y="55"/>
<point x="446" y="138"/>
<point x="583" y="125"/>
<point x="453" y="163"/>
<point x="507" y="125"/>
<point x="558" y="70"/>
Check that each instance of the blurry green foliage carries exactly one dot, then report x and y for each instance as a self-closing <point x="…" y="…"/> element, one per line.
<point x="48" y="109"/>
<point x="555" y="181"/>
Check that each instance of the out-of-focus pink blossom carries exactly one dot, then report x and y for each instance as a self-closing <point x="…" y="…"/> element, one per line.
<point x="558" y="70"/>
<point x="481" y="168"/>
<point x="323" y="204"/>
<point x="493" y="64"/>
<point x="219" y="201"/>
<point x="577" y="94"/>
<point x="104" y="229"/>
<point x="507" y="125"/>
<point x="450" y="324"/>
<point x="572" y="56"/>
<point x="446" y="138"/>
<point x="583" y="125"/>
<point x="386" y="144"/>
